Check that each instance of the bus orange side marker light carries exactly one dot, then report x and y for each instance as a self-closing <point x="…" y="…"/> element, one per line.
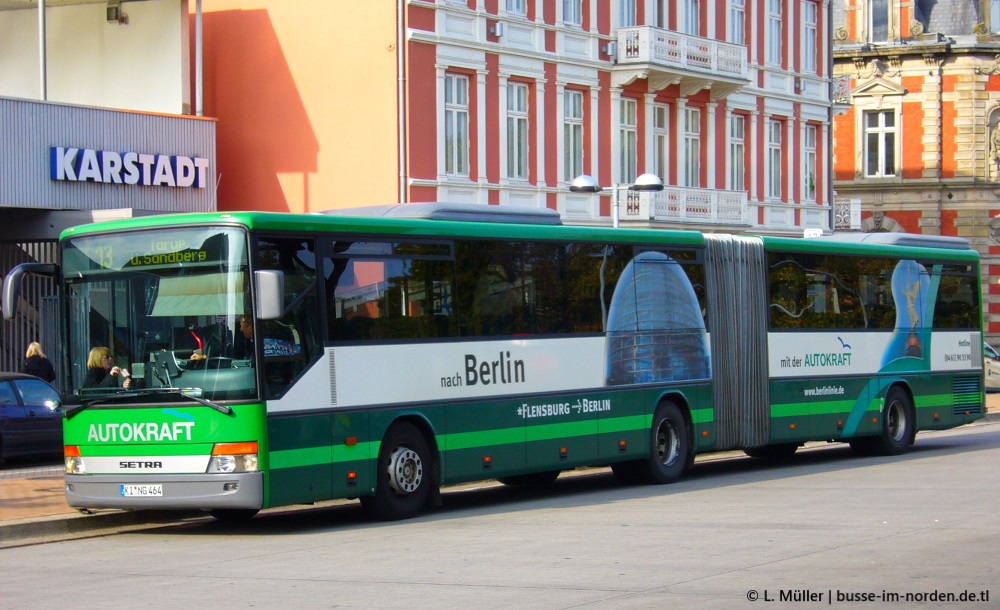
<point x="352" y="479"/>
<point x="487" y="463"/>
<point x="705" y="433"/>
<point x="621" y="446"/>
<point x="792" y="426"/>
<point x="562" y="453"/>
<point x="874" y="420"/>
<point x="350" y="441"/>
<point x="71" y="451"/>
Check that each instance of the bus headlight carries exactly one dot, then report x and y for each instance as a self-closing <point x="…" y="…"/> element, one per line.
<point x="74" y="465"/>
<point x="74" y="462"/>
<point x="233" y="457"/>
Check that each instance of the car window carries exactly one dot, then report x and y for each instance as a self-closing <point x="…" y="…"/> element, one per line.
<point x="989" y="352"/>
<point x="7" y="397"/>
<point x="36" y="393"/>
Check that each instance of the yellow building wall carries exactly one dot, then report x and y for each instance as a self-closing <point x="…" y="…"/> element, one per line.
<point x="305" y="94"/>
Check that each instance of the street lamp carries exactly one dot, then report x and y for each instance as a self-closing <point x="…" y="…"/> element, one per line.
<point x="587" y="184"/>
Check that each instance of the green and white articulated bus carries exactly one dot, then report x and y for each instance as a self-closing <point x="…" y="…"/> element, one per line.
<point x="383" y="353"/>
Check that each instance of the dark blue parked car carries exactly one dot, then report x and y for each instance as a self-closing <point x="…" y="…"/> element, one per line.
<point x="30" y="419"/>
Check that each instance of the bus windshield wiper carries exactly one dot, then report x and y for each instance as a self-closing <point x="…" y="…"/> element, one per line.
<point x="70" y="412"/>
<point x="208" y="403"/>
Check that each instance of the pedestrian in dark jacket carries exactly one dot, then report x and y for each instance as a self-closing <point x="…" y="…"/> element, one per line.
<point x="37" y="364"/>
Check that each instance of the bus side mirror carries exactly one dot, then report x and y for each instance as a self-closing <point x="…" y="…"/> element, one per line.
<point x="270" y="293"/>
<point x="12" y="284"/>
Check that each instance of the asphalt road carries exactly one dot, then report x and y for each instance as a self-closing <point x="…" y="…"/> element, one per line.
<point x="827" y="527"/>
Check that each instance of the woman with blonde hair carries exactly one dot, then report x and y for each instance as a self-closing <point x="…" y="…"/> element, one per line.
<point x="101" y="371"/>
<point x="35" y="363"/>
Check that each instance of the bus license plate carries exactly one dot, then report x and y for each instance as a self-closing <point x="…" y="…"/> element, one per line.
<point x="142" y="491"/>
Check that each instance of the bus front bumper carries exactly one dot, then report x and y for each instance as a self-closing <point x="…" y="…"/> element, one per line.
<point x="176" y="491"/>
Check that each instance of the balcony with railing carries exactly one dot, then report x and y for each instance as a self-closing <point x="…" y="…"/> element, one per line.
<point x="685" y="205"/>
<point x="666" y="58"/>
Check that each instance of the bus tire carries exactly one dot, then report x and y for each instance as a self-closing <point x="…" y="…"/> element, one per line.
<point x="779" y="452"/>
<point x="898" y="427"/>
<point x="535" y="479"/>
<point x="234" y="515"/>
<point x="669" y="447"/>
<point x="898" y="423"/>
<point x="403" y="476"/>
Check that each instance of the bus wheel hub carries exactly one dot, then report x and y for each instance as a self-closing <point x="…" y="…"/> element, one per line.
<point x="406" y="471"/>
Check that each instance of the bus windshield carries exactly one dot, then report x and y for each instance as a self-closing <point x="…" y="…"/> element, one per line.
<point x="166" y="306"/>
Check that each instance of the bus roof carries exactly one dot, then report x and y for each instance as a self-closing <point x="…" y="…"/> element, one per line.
<point x="459" y="220"/>
<point x="438" y="210"/>
<point x="372" y="223"/>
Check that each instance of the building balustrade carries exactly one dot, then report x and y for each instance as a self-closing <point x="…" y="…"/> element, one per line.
<point x="678" y="204"/>
<point x="666" y="58"/>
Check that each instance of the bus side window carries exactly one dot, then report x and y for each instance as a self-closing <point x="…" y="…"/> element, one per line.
<point x="957" y="304"/>
<point x="815" y="292"/>
<point x="389" y="291"/>
<point x="291" y="343"/>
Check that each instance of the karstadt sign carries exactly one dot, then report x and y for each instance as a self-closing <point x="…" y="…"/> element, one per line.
<point x="110" y="167"/>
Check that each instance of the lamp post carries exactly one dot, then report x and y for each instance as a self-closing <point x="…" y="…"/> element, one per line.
<point x="587" y="184"/>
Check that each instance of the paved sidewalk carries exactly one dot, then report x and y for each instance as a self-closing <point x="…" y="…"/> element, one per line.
<point x="34" y="507"/>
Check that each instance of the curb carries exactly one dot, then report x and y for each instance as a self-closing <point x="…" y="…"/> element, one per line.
<point x="72" y="525"/>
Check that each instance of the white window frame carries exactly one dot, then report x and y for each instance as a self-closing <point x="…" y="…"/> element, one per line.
<point x="518" y="131"/>
<point x="874" y="7"/>
<point x="995" y="16"/>
<point x="885" y="151"/>
<point x="661" y="141"/>
<point x="626" y="13"/>
<point x="773" y="183"/>
<point x="573" y="144"/>
<point x="660" y="7"/>
<point x="692" y="147"/>
<point x="628" y="139"/>
<point x="775" y="25"/>
<point x="809" y="159"/>
<point x="573" y="12"/>
<point x="737" y="152"/>
<point x="692" y="17"/>
<point x="456" y="117"/>
<point x="810" y="40"/>
<point x="517" y="7"/>
<point x="738" y="21"/>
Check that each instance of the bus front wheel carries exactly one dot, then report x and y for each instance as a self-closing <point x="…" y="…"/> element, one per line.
<point x="404" y="474"/>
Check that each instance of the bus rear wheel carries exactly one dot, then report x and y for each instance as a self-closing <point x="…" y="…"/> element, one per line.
<point x="898" y="427"/>
<point x="898" y="424"/>
<point x="670" y="446"/>
<point x="403" y="475"/>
